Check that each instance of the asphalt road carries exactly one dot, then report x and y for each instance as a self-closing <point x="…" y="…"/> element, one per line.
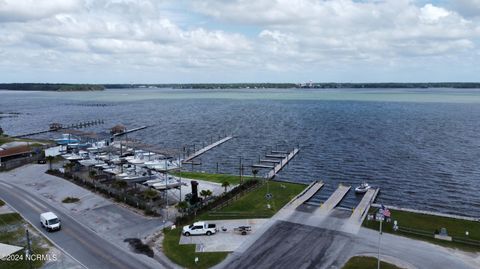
<point x="291" y="245"/>
<point x="82" y="243"/>
<point x="294" y="245"/>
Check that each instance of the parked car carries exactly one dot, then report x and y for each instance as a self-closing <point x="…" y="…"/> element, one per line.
<point x="42" y="161"/>
<point x="50" y="221"/>
<point x="200" y="228"/>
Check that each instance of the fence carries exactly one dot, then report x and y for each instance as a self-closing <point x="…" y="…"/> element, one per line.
<point x="235" y="193"/>
<point x="12" y="164"/>
<point x="431" y="234"/>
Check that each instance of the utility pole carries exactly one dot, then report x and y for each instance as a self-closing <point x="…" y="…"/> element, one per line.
<point x="240" y="168"/>
<point x="29" y="250"/>
<point x="379" y="241"/>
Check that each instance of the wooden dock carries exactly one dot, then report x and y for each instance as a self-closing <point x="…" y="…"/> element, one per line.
<point x="285" y="159"/>
<point x="130" y="131"/>
<point x="263" y="166"/>
<point x="207" y="148"/>
<point x="333" y="200"/>
<point x="361" y="210"/>
<point x="269" y="161"/>
<point x="59" y="126"/>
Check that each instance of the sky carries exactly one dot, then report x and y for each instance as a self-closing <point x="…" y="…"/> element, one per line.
<point x="232" y="41"/>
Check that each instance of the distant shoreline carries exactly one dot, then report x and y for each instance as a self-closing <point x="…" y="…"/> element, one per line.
<point x="100" y="87"/>
<point x="314" y="85"/>
<point x="51" y="87"/>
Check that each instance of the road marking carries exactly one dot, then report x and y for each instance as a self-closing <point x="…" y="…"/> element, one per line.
<point x="94" y="248"/>
<point x="8" y="186"/>
<point x="34" y="207"/>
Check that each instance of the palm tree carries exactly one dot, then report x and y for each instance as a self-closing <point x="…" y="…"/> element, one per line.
<point x="225" y="184"/>
<point x="121" y="184"/>
<point x="255" y="172"/>
<point x="182" y="206"/>
<point x="49" y="159"/>
<point x="68" y="167"/>
<point x="206" y="193"/>
<point x="150" y="195"/>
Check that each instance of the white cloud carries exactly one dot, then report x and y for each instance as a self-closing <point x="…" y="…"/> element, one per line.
<point x="209" y="36"/>
<point x="26" y="10"/>
<point x="468" y="8"/>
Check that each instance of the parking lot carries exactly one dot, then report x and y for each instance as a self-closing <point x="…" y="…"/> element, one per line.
<point x="223" y="241"/>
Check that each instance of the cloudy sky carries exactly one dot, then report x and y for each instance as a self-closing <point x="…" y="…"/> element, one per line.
<point x="156" y="41"/>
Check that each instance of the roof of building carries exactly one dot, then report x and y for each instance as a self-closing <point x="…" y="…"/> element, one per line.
<point x="6" y="250"/>
<point x="15" y="151"/>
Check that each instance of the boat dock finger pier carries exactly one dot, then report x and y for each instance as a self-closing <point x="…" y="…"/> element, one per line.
<point x="275" y="161"/>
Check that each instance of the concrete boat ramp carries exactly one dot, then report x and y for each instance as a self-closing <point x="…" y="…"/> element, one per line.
<point x="327" y="214"/>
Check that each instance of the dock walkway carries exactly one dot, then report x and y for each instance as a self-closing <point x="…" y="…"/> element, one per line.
<point x="207" y="148"/>
<point x="311" y="190"/>
<point x="285" y="159"/>
<point x="333" y="200"/>
<point x="361" y="210"/>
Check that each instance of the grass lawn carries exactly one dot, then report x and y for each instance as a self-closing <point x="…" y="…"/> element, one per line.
<point x="184" y="255"/>
<point x="254" y="204"/>
<point x="218" y="178"/>
<point x="6" y="139"/>
<point x="12" y="231"/>
<point x="430" y="223"/>
<point x="361" y="262"/>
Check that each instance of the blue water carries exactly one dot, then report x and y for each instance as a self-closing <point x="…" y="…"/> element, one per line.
<point x="421" y="147"/>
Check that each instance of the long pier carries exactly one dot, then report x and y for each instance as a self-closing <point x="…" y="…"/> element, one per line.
<point x="333" y="200"/>
<point x="207" y="148"/>
<point x="361" y="210"/>
<point x="131" y="131"/>
<point x="59" y="126"/>
<point x="285" y="159"/>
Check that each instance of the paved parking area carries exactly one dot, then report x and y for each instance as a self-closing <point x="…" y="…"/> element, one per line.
<point x="224" y="241"/>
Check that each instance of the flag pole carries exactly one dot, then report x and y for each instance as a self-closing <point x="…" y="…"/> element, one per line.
<point x="379" y="240"/>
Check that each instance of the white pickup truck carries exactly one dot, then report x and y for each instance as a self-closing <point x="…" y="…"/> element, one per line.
<point x="199" y="228"/>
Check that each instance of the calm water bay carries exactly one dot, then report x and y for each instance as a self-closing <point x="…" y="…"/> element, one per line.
<point x="421" y="147"/>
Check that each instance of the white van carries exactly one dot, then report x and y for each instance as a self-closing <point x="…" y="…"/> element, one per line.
<point x="50" y="221"/>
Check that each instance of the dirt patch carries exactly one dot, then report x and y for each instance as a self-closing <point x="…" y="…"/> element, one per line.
<point x="139" y="247"/>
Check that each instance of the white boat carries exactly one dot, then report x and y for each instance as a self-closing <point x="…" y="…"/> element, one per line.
<point x="363" y="188"/>
<point x="171" y="183"/>
<point x="67" y="139"/>
<point x="165" y="166"/>
<point x="97" y="146"/>
<point x="89" y="162"/>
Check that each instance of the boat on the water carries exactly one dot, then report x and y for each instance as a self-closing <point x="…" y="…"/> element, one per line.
<point x="363" y="188"/>
<point x="67" y="139"/>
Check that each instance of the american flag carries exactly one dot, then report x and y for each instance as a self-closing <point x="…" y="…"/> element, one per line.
<point x="386" y="212"/>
